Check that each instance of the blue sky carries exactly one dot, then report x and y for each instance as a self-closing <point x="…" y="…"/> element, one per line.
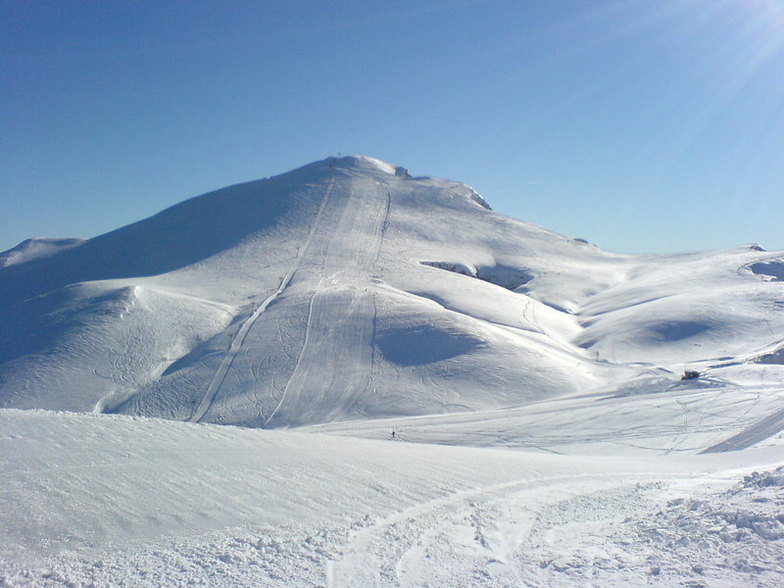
<point x="642" y="126"/>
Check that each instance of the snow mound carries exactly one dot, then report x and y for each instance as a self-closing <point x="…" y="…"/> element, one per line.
<point x="35" y="248"/>
<point x="744" y="523"/>
<point x="726" y="538"/>
<point x="99" y="321"/>
<point x="367" y="162"/>
<point x="771" y="479"/>
<point x="754" y="506"/>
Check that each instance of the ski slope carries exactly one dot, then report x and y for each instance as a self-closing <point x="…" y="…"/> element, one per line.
<point x="208" y="397"/>
<point x="349" y="290"/>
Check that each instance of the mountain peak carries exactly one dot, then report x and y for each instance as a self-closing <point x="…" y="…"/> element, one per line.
<point x="363" y="164"/>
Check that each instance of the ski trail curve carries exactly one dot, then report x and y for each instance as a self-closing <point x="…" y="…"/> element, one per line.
<point x="239" y="338"/>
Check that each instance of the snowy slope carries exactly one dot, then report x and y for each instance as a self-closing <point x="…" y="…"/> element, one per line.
<point x="30" y="249"/>
<point x="543" y="434"/>
<point x="112" y="501"/>
<point x="347" y="289"/>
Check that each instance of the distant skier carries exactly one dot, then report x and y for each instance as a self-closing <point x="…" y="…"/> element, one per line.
<point x="393" y="433"/>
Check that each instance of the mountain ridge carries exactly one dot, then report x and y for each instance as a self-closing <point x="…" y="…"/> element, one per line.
<point x="348" y="289"/>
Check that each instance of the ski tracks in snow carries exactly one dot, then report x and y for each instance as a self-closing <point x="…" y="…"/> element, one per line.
<point x="341" y="314"/>
<point x="615" y="529"/>
<point x="239" y="338"/>
<point x="471" y="538"/>
<point x="767" y="427"/>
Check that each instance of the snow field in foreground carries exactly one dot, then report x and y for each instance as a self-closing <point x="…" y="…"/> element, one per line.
<point x="115" y="501"/>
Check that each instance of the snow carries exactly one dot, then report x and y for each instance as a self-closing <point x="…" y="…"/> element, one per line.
<point x="123" y="501"/>
<point x="773" y="269"/>
<point x="232" y="370"/>
<point x="432" y="302"/>
<point x="35" y="248"/>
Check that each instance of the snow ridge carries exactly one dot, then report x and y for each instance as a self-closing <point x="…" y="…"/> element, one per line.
<point x="341" y="310"/>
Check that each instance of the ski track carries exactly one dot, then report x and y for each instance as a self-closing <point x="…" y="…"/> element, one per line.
<point x="340" y="313"/>
<point x="239" y="338"/>
<point x="486" y="526"/>
<point x="759" y="431"/>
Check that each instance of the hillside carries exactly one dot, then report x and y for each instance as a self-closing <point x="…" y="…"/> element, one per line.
<point x="347" y="289"/>
<point x="472" y="400"/>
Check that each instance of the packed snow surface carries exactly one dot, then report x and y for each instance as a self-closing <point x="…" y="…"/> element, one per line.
<point x="108" y="500"/>
<point x="543" y="434"/>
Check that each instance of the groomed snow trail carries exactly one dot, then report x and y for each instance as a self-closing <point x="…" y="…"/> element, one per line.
<point x="239" y="338"/>
<point x="340" y="311"/>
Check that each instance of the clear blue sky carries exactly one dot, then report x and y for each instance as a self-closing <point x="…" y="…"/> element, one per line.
<point x="640" y="125"/>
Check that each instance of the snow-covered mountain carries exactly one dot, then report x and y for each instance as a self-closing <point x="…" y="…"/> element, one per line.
<point x="348" y="289"/>
<point x="543" y="435"/>
<point x="34" y="248"/>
